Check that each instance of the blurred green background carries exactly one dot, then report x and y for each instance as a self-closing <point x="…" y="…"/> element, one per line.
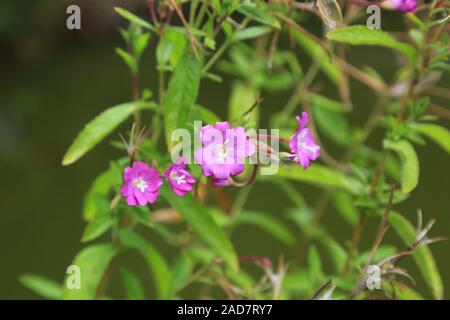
<point x="52" y="81"/>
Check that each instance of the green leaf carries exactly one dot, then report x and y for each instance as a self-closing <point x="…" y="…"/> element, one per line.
<point x="198" y="217"/>
<point x="422" y="255"/>
<point x="251" y="33"/>
<point x="267" y="223"/>
<point x="180" y="272"/>
<point x="259" y="15"/>
<point x="199" y="113"/>
<point x="96" y="200"/>
<point x="314" y="263"/>
<point x="134" y="19"/>
<point x="93" y="262"/>
<point x="345" y="207"/>
<point x="44" y="287"/>
<point x="320" y="101"/>
<point x="128" y="59"/>
<point x="401" y="291"/>
<point x="438" y="134"/>
<point x="181" y="95"/>
<point x="156" y="263"/>
<point x="98" y="226"/>
<point x="321" y="176"/>
<point x="97" y="129"/>
<point x="133" y="286"/>
<point x="330" y="122"/>
<point x="410" y="163"/>
<point x="241" y="100"/>
<point x="329" y="67"/>
<point x="335" y="251"/>
<point x="171" y="47"/>
<point x="361" y="35"/>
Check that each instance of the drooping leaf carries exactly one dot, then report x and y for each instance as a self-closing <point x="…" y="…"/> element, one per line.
<point x="198" y="217"/>
<point x="330" y="122"/>
<point x="156" y="263"/>
<point x="345" y="207"/>
<point x="42" y="286"/>
<point x="97" y="227"/>
<point x="181" y="94"/>
<point x="93" y="262"/>
<point x="267" y="223"/>
<point x="258" y="14"/>
<point x="97" y="129"/>
<point x="321" y="101"/>
<point x="335" y="251"/>
<point x="361" y="35"/>
<point x="329" y="67"/>
<point x="133" y="287"/>
<point x="422" y="255"/>
<point x="322" y="176"/>
<point x="410" y="163"/>
<point x="438" y="134"/>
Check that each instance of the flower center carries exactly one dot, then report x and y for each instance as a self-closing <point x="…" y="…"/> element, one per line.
<point x="178" y="179"/>
<point x="140" y="184"/>
<point x="221" y="151"/>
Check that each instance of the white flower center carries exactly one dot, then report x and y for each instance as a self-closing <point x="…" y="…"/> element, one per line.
<point x="140" y="184"/>
<point x="178" y="179"/>
<point x="221" y="151"/>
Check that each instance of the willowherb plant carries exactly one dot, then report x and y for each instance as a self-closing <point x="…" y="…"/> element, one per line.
<point x="175" y="190"/>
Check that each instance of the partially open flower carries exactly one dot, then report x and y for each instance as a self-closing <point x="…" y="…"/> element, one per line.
<point x="224" y="151"/>
<point x="302" y="143"/>
<point x="400" y="5"/>
<point x="141" y="184"/>
<point x="179" y="178"/>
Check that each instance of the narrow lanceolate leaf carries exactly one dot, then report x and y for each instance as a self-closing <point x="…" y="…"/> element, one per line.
<point x="422" y="255"/>
<point x="259" y="14"/>
<point x="322" y="176"/>
<point x="97" y="227"/>
<point x="131" y="17"/>
<point x="181" y="94"/>
<point x="198" y="217"/>
<point x="44" y="287"/>
<point x="410" y="163"/>
<point x="361" y="35"/>
<point x="96" y="201"/>
<point x="267" y="223"/>
<point x="438" y="134"/>
<point x="93" y="262"/>
<point x="156" y="263"/>
<point x="133" y="287"/>
<point x="96" y="130"/>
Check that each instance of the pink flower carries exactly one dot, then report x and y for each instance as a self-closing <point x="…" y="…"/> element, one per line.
<point x="302" y="143"/>
<point x="400" y="5"/>
<point x="224" y="150"/>
<point x="220" y="182"/>
<point x="179" y="178"/>
<point x="141" y="184"/>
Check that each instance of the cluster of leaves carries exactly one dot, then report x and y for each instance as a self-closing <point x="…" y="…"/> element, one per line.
<point x="242" y="39"/>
